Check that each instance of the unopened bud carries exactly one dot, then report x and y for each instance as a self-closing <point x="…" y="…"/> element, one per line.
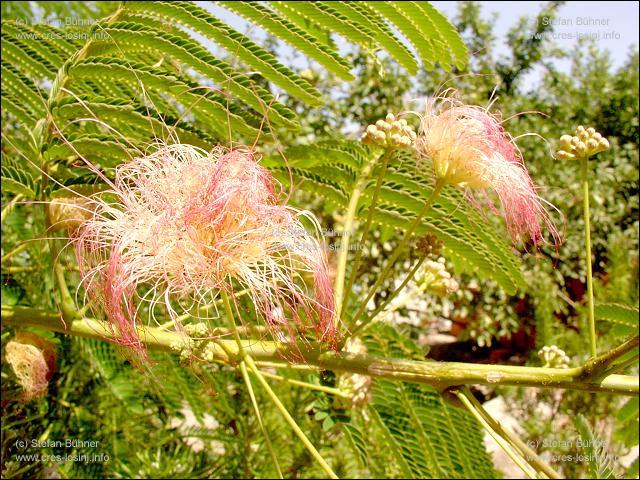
<point x="429" y="246"/>
<point x="553" y="357"/>
<point x="390" y="133"/>
<point x="585" y="143"/>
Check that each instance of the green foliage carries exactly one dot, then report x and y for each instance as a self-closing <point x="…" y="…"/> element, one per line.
<point x="146" y="72"/>
<point x="428" y="437"/>
<point x="333" y="168"/>
<point x="621" y="314"/>
<point x="599" y="463"/>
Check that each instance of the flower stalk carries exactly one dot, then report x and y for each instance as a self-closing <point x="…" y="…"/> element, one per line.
<point x="346" y="238"/>
<point x="247" y="361"/>
<point x="400" y="248"/>
<point x="514" y="440"/>
<point x="585" y="143"/>
<point x="254" y="402"/>
<point x="506" y="447"/>
<point x="367" y="226"/>
<point x="292" y="423"/>
<point x="587" y="252"/>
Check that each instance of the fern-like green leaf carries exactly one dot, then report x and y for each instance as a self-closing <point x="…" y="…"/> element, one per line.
<point x="405" y="25"/>
<point x="599" y="462"/>
<point x="142" y="125"/>
<point x="22" y="52"/>
<point x="433" y="439"/>
<point x="617" y="313"/>
<point x="125" y="36"/>
<point x="17" y="179"/>
<point x="202" y="101"/>
<point x="362" y="15"/>
<point x="294" y="36"/>
<point x="22" y="88"/>
<point x="198" y="19"/>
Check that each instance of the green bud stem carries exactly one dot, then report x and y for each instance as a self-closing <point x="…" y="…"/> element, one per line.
<point x="587" y="251"/>
<point x="400" y="248"/>
<point x="287" y="416"/>
<point x="367" y="226"/>
<point x="511" y="452"/>
<point x="514" y="440"/>
<point x="346" y="237"/>
<point x="381" y="309"/>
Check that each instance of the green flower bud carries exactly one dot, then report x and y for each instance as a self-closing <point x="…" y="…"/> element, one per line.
<point x="390" y="133"/>
<point x="585" y="143"/>
<point x="553" y="357"/>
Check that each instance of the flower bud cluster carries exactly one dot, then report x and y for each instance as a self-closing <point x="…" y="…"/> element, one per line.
<point x="434" y="278"/>
<point x="195" y="346"/>
<point x="390" y="133"/>
<point x="553" y="357"/>
<point x="585" y="143"/>
<point x="429" y="246"/>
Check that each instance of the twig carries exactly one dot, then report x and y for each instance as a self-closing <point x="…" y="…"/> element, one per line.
<point x="247" y="381"/>
<point x="596" y="367"/>
<point x="292" y="423"/>
<point x="400" y="248"/>
<point x="365" y="233"/>
<point x="587" y="251"/>
<point x="529" y="455"/>
<point x="508" y="449"/>
<point x="441" y="375"/>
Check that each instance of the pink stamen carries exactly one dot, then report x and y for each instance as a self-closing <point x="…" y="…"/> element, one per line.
<point x="186" y="223"/>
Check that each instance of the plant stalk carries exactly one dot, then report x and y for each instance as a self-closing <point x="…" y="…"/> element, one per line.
<point x="587" y="252"/>
<point x="254" y="402"/>
<point x="400" y="248"/>
<point x="367" y="226"/>
<point x="292" y="423"/>
<point x="527" y="453"/>
<point x="381" y="309"/>
<point x="310" y="386"/>
<point x="596" y="366"/>
<point x="506" y="447"/>
<point x="441" y="375"/>
<point x="346" y="237"/>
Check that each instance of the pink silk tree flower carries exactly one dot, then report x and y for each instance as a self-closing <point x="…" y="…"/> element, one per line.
<point x="469" y="147"/>
<point x="186" y="224"/>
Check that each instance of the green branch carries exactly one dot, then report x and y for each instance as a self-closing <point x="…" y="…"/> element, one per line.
<point x="597" y="366"/>
<point x="440" y="375"/>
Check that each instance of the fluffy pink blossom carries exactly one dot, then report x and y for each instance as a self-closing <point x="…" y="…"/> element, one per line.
<point x="468" y="146"/>
<point x="184" y="224"/>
